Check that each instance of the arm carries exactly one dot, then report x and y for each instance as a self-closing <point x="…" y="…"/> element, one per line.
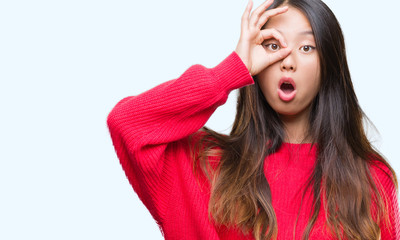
<point x="144" y="127"/>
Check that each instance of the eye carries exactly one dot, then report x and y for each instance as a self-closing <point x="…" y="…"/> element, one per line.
<point x="307" y="48"/>
<point x="272" y="46"/>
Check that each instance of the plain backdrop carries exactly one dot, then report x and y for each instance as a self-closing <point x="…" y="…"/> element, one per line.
<point x="65" y="64"/>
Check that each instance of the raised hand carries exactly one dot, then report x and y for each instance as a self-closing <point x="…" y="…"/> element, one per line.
<point x="249" y="47"/>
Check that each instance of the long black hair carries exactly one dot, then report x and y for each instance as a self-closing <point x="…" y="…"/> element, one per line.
<point x="241" y="194"/>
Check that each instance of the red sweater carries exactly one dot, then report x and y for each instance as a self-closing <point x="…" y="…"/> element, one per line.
<point x="150" y="135"/>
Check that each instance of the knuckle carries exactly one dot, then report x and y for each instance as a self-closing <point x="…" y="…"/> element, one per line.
<point x="274" y="31"/>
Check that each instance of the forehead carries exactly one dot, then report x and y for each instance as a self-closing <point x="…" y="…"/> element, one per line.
<point x="292" y="21"/>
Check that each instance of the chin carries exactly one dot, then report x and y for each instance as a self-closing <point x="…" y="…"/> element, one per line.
<point x="288" y="113"/>
<point x="288" y="110"/>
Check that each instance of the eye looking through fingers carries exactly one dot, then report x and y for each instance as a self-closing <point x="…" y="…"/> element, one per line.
<point x="272" y="47"/>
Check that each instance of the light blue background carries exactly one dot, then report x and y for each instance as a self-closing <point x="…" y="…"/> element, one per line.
<point x="65" y="64"/>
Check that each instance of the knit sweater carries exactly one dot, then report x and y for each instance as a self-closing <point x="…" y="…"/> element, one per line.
<point x="151" y="133"/>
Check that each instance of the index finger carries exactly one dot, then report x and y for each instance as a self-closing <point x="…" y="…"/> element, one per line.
<point x="273" y="33"/>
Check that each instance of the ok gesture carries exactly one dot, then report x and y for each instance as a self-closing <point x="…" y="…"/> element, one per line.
<point x="249" y="47"/>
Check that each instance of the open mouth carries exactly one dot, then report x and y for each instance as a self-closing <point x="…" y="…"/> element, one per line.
<point x="287" y="87"/>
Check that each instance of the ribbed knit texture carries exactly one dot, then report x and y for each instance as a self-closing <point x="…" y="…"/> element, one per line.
<point x="150" y="133"/>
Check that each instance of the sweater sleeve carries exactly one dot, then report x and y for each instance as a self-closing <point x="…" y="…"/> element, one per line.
<point x="389" y="192"/>
<point x="145" y="126"/>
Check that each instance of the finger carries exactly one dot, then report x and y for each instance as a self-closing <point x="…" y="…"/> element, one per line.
<point x="273" y="33"/>
<point x="259" y="11"/>
<point x="279" y="55"/>
<point x="246" y="14"/>
<point x="268" y="14"/>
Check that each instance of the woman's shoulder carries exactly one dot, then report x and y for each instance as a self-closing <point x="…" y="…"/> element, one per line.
<point x="383" y="174"/>
<point x="380" y="166"/>
<point x="386" y="182"/>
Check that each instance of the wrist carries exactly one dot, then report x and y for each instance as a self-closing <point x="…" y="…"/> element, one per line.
<point x="243" y="58"/>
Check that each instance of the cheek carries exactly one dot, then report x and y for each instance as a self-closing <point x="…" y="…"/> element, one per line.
<point x="311" y="64"/>
<point x="312" y="74"/>
<point x="265" y="79"/>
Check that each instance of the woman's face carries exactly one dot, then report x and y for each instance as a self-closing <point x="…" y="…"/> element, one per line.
<point x="291" y="84"/>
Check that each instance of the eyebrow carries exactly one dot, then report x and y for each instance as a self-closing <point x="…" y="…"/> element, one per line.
<point x="306" y="32"/>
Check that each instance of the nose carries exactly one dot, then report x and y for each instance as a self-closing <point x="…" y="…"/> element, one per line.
<point x="289" y="63"/>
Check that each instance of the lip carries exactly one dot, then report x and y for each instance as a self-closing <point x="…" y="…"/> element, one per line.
<point x="287" y="97"/>
<point x="287" y="80"/>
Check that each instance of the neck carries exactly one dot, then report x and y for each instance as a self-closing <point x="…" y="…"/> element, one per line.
<point x="296" y="127"/>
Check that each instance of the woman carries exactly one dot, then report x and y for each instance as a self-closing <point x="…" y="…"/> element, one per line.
<point x="297" y="163"/>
